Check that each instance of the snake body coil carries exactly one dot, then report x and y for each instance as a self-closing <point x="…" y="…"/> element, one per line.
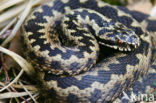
<point x="65" y="37"/>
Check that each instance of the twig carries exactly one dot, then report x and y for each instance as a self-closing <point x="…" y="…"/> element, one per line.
<point x="28" y="93"/>
<point x="19" y="23"/>
<point x="12" y="95"/>
<point x="8" y="26"/>
<point x="15" y="80"/>
<point x="5" y="69"/>
<point x="27" y="67"/>
<point x="9" y="3"/>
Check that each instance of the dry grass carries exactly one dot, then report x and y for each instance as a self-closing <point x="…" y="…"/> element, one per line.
<point x="12" y="88"/>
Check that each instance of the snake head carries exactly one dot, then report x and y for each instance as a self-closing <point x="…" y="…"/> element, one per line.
<point x="123" y="39"/>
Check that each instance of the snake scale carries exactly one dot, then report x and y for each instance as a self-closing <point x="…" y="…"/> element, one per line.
<point x="87" y="50"/>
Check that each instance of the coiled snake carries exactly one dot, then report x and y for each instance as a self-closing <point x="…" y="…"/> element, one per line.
<point x="71" y="43"/>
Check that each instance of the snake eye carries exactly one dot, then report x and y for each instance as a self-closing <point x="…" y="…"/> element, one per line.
<point x="119" y="41"/>
<point x="123" y="39"/>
